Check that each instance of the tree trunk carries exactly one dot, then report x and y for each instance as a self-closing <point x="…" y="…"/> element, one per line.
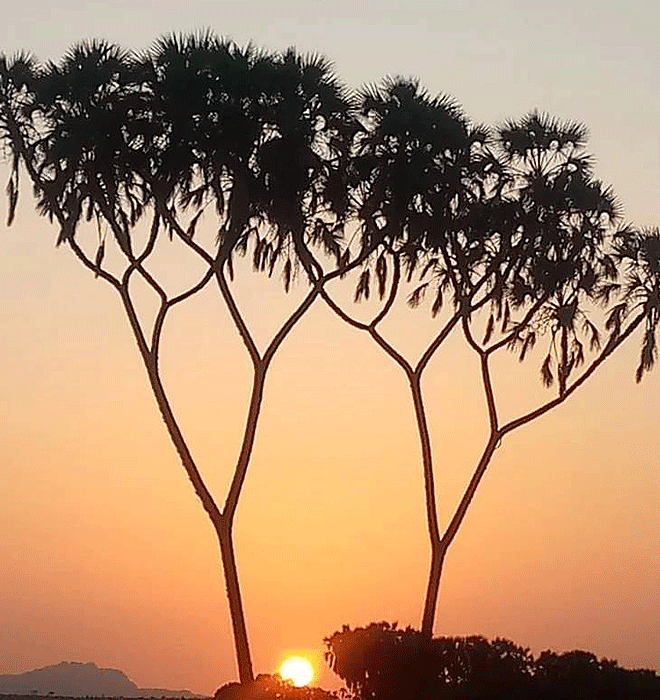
<point x="438" y="549"/>
<point x="239" y="629"/>
<point x="438" y="552"/>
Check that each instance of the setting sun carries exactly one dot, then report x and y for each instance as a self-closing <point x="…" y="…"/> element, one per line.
<point x="298" y="670"/>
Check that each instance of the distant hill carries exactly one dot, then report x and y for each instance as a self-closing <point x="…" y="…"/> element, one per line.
<point x="75" y="680"/>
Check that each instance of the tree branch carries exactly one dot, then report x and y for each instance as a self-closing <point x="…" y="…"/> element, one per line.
<point x="497" y="434"/>
<point x="437" y="342"/>
<point x="153" y="237"/>
<point x="165" y="306"/>
<point x="183" y="237"/>
<point x="485" y="375"/>
<point x="290" y="323"/>
<point x="98" y="271"/>
<point x="341" y="313"/>
<point x="236" y="316"/>
<point x="243" y="461"/>
<point x="521" y="324"/>
<point x="427" y="459"/>
<point x="614" y="342"/>
<point x="461" y="510"/>
<point x="394" y="290"/>
<point x="208" y="503"/>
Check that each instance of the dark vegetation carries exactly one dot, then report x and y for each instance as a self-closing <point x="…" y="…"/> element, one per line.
<point x="267" y="687"/>
<point x="383" y="662"/>
<point x="208" y="151"/>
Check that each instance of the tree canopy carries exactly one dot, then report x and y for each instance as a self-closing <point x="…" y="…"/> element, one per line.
<point x="385" y="662"/>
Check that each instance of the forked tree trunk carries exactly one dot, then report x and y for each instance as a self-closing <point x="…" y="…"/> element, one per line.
<point x="222" y="523"/>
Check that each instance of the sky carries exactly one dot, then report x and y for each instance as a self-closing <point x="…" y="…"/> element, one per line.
<point x="106" y="553"/>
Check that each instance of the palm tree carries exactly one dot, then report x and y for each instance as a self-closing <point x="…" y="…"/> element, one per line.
<point x="258" y="128"/>
<point x="511" y="232"/>
<point x="194" y="125"/>
<point x="546" y="263"/>
<point x="409" y="177"/>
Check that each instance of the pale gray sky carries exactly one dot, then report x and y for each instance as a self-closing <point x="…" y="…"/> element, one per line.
<point x="595" y="61"/>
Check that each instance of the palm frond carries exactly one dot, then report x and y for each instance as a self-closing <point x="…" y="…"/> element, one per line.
<point x="546" y="371"/>
<point x="649" y="351"/>
<point x="417" y="295"/>
<point x="362" y="288"/>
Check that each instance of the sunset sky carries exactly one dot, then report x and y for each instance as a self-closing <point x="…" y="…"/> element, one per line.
<point x="105" y="552"/>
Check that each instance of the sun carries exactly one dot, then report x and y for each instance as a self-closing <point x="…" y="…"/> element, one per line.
<point x="298" y="670"/>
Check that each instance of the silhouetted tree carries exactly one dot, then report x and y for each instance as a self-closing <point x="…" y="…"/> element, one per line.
<point x="378" y="661"/>
<point x="194" y="128"/>
<point x="267" y="687"/>
<point x="580" y="675"/>
<point x="512" y="236"/>
<point x="381" y="662"/>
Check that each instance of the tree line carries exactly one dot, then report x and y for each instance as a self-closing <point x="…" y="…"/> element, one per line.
<point x="212" y="151"/>
<point x="385" y="662"/>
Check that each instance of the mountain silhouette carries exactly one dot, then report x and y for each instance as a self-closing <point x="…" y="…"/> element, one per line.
<point x="75" y="679"/>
